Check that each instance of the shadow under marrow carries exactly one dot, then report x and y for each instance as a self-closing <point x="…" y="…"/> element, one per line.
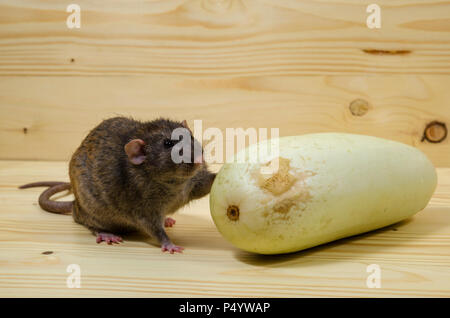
<point x="301" y="257"/>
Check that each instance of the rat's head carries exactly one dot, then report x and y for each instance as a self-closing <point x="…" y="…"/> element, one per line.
<point x="166" y="147"/>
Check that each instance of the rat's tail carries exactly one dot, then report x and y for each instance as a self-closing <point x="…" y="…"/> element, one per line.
<point x="60" y="207"/>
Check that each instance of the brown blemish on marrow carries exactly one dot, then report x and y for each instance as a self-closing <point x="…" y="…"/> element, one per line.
<point x="284" y="205"/>
<point x="287" y="189"/>
<point x="233" y="212"/>
<point x="279" y="182"/>
<point x="386" y="52"/>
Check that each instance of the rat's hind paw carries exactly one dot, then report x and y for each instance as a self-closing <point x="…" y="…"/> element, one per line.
<point x="108" y="238"/>
<point x="169" y="222"/>
<point x="171" y="248"/>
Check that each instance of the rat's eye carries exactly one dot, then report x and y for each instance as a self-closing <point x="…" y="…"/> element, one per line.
<point x="168" y="143"/>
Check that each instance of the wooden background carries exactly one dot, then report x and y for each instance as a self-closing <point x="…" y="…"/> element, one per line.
<point x="292" y="64"/>
<point x="296" y="65"/>
<point x="36" y="247"/>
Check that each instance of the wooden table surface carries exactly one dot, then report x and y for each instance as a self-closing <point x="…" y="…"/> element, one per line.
<point x="413" y="255"/>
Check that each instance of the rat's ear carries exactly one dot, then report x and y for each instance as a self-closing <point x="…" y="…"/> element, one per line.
<point x="184" y="124"/>
<point x="135" y="151"/>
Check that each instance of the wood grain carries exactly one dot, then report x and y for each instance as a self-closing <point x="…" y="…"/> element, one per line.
<point x="231" y="63"/>
<point x="224" y="38"/>
<point x="296" y="65"/>
<point x="46" y="118"/>
<point x="414" y="255"/>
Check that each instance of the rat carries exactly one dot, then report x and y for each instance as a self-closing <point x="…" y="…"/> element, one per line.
<point x="124" y="179"/>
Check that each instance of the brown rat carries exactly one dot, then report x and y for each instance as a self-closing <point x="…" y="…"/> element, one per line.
<point x="124" y="180"/>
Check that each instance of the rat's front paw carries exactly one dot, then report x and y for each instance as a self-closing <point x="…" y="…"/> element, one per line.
<point x="171" y="248"/>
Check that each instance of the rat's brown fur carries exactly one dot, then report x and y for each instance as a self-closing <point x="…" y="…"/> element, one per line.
<point x="114" y="195"/>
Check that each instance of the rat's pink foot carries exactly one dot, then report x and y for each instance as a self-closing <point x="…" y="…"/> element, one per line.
<point x="171" y="248"/>
<point x="108" y="238"/>
<point x="169" y="222"/>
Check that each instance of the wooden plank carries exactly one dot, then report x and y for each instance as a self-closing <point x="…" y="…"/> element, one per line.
<point x="414" y="255"/>
<point x="228" y="38"/>
<point x="47" y="117"/>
